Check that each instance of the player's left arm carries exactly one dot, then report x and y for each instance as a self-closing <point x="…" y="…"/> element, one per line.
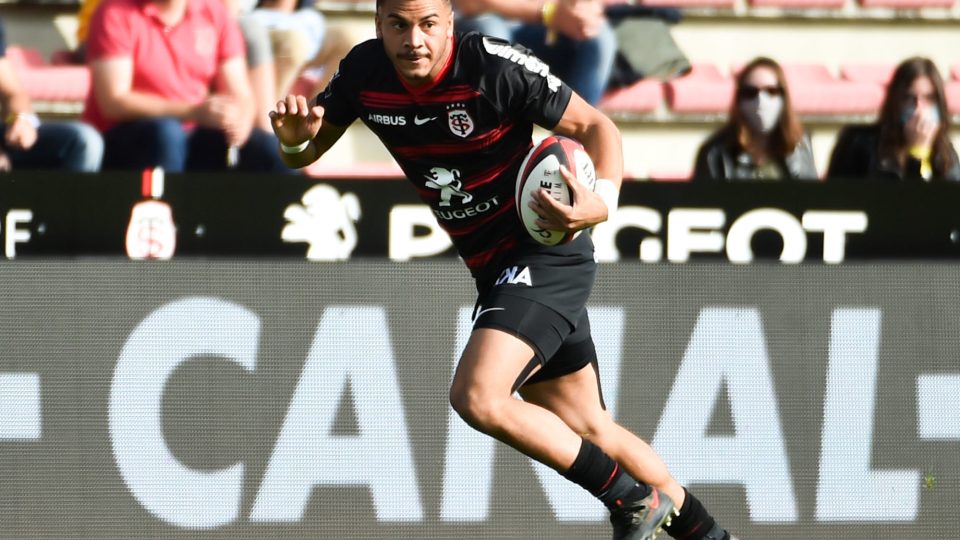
<point x="601" y="139"/>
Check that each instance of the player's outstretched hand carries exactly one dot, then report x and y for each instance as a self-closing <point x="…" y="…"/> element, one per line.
<point x="588" y="208"/>
<point x="294" y="121"/>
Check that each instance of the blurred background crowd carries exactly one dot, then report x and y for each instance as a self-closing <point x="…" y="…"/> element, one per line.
<point x="702" y="90"/>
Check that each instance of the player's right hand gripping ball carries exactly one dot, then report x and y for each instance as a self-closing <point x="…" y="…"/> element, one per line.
<point x="541" y="169"/>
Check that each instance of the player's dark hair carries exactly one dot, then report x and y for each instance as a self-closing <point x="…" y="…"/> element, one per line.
<point x="380" y="3"/>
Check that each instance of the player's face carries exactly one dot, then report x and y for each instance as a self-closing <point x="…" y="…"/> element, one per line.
<point x="417" y="35"/>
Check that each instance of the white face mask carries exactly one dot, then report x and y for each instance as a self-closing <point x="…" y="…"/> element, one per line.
<point x="762" y="113"/>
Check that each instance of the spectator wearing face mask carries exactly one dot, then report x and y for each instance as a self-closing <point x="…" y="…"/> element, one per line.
<point x="910" y="139"/>
<point x="763" y="139"/>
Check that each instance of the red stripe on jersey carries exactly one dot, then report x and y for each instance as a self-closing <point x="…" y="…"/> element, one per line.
<point x="466" y="147"/>
<point x="484" y="257"/>
<point x="491" y="175"/>
<point x="391" y="100"/>
<point x="510" y="204"/>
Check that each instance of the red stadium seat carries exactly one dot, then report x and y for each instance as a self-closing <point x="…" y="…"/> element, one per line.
<point x="728" y="4"/>
<point x="704" y="90"/>
<point x="908" y="4"/>
<point x="815" y="91"/>
<point x="644" y="96"/>
<point x="24" y="57"/>
<point x="46" y="82"/>
<point x="806" y="73"/>
<point x="839" y="98"/>
<point x="952" y="91"/>
<point x="824" y="4"/>
<point x="869" y="73"/>
<point x="58" y="83"/>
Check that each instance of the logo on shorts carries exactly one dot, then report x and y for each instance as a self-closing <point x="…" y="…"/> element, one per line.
<point x="488" y="310"/>
<point x="515" y="275"/>
<point x="448" y="183"/>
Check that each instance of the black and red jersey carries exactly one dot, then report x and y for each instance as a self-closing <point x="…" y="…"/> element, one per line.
<point x="461" y="139"/>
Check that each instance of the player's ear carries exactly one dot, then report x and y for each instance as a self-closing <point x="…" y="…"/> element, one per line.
<point x="376" y="21"/>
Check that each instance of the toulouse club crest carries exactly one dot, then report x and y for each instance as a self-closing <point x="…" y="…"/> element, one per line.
<point x="460" y="122"/>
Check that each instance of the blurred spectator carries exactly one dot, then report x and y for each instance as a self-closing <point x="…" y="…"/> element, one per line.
<point x="260" y="63"/>
<point x="572" y="36"/>
<point x="170" y="88"/>
<point x="261" y="66"/>
<point x="763" y="139"/>
<point x="27" y="143"/>
<point x="302" y="41"/>
<point x="910" y="139"/>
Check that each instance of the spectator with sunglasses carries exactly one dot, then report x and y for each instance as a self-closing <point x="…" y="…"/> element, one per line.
<point x="909" y="141"/>
<point x="762" y="139"/>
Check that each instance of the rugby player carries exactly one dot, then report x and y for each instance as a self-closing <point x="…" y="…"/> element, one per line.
<point x="457" y="112"/>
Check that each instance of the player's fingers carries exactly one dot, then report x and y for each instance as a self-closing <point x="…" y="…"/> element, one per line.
<point x="317" y="111"/>
<point x="302" y="106"/>
<point x="292" y="105"/>
<point x="572" y="181"/>
<point x="549" y="208"/>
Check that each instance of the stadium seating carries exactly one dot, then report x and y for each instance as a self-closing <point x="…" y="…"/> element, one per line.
<point x="704" y="90"/>
<point x="66" y="86"/>
<point x="838" y="56"/>
<point x="723" y="4"/>
<point x="952" y="91"/>
<point x="869" y="73"/>
<point x="815" y="91"/>
<point x="24" y="57"/>
<point x="908" y="4"/>
<point x="644" y="96"/>
<point x="788" y="4"/>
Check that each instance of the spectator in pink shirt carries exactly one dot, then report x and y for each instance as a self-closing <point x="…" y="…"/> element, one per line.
<point x="170" y="88"/>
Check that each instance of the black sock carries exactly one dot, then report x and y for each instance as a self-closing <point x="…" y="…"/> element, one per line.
<point x="694" y="522"/>
<point x="596" y="472"/>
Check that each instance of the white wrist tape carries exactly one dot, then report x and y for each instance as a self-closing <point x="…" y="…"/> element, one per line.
<point x="294" y="149"/>
<point x="609" y="192"/>
<point x="30" y="118"/>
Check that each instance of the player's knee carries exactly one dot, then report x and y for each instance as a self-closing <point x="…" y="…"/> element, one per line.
<point x="478" y="410"/>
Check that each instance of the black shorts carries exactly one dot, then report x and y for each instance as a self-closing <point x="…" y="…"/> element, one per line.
<point x="539" y="294"/>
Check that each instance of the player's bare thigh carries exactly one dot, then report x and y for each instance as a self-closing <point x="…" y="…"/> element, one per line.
<point x="490" y="365"/>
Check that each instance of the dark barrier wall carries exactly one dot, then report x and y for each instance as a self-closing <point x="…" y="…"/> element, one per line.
<point x="54" y="214"/>
<point x="231" y="399"/>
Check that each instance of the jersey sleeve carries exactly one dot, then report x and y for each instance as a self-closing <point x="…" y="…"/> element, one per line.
<point x="518" y="82"/>
<point x="110" y="36"/>
<point x="231" y="39"/>
<point x="337" y="99"/>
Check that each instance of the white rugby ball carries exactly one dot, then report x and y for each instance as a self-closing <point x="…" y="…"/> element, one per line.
<point x="541" y="170"/>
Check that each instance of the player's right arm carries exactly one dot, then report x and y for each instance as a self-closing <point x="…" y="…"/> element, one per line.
<point x="303" y="134"/>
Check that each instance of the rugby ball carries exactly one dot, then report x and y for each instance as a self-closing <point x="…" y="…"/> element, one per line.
<point x="541" y="170"/>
